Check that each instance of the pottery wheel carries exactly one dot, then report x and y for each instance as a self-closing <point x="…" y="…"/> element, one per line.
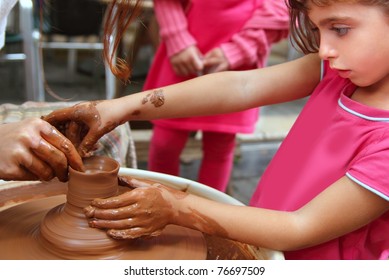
<point x="20" y="237"/>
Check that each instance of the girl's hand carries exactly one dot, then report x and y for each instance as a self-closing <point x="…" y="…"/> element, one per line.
<point x="32" y="149"/>
<point x="187" y="62"/>
<point x="83" y="124"/>
<point x="143" y="211"/>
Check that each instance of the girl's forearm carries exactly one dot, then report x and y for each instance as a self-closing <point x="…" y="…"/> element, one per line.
<point x="351" y="208"/>
<point x="206" y="95"/>
<point x="259" y="227"/>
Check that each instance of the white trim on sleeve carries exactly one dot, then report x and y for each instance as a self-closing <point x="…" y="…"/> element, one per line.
<point x="367" y="187"/>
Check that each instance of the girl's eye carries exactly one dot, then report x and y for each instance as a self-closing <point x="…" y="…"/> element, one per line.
<point x="341" y="31"/>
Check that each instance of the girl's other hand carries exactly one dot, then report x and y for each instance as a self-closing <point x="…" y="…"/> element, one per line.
<point x="83" y="124"/>
<point x="143" y="211"/>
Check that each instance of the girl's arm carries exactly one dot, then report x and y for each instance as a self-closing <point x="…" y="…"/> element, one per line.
<point x="218" y="93"/>
<point x="343" y="207"/>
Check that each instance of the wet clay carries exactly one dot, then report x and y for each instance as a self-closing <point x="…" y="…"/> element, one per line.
<point x="225" y="249"/>
<point x="56" y="228"/>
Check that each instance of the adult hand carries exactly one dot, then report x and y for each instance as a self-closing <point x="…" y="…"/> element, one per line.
<point x="187" y="62"/>
<point x="32" y="149"/>
<point x="143" y="211"/>
<point x="83" y="124"/>
<point x="215" y="61"/>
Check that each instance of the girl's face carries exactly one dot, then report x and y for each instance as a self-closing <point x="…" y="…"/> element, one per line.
<point x="354" y="39"/>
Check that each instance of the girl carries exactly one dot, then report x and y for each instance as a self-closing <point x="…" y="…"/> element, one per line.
<point x="325" y="195"/>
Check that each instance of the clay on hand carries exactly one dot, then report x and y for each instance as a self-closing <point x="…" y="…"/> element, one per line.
<point x="32" y="149"/>
<point x="143" y="211"/>
<point x="81" y="124"/>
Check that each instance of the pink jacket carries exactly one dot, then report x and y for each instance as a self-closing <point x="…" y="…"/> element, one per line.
<point x="268" y="24"/>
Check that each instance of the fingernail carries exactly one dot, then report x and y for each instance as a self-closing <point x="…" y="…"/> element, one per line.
<point x="116" y="234"/>
<point x="89" y="211"/>
<point x="92" y="224"/>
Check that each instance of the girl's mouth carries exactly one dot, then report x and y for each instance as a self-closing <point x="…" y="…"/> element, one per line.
<point x="344" y="73"/>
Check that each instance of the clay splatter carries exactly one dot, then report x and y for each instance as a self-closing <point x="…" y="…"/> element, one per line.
<point x="157" y="98"/>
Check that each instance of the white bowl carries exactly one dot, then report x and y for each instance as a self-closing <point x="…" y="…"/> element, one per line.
<point x="193" y="188"/>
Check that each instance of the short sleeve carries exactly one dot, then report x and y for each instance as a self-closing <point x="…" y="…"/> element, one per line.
<point x="370" y="168"/>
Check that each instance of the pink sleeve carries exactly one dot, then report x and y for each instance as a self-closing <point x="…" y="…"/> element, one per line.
<point x="173" y="26"/>
<point x="369" y="167"/>
<point x="268" y="24"/>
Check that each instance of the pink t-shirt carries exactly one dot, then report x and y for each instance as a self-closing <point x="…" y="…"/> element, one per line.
<point x="333" y="137"/>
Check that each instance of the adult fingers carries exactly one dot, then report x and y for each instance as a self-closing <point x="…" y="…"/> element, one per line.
<point x="61" y="143"/>
<point x="26" y="175"/>
<point x="35" y="168"/>
<point x="54" y="157"/>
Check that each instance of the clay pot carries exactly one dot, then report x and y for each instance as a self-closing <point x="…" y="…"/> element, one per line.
<point x="65" y="231"/>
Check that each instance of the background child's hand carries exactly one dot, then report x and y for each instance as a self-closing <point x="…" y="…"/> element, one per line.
<point x="143" y="211"/>
<point x="187" y="62"/>
<point x="215" y="61"/>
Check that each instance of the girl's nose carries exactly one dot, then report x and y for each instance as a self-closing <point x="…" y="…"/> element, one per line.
<point x="326" y="50"/>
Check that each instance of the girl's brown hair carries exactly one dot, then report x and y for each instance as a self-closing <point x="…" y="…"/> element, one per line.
<point x="120" y="14"/>
<point x="302" y="29"/>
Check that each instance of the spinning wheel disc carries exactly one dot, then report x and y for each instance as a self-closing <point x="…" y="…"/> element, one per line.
<point x="20" y="237"/>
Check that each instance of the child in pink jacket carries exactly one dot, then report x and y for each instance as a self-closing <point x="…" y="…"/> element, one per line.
<point x="200" y="37"/>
